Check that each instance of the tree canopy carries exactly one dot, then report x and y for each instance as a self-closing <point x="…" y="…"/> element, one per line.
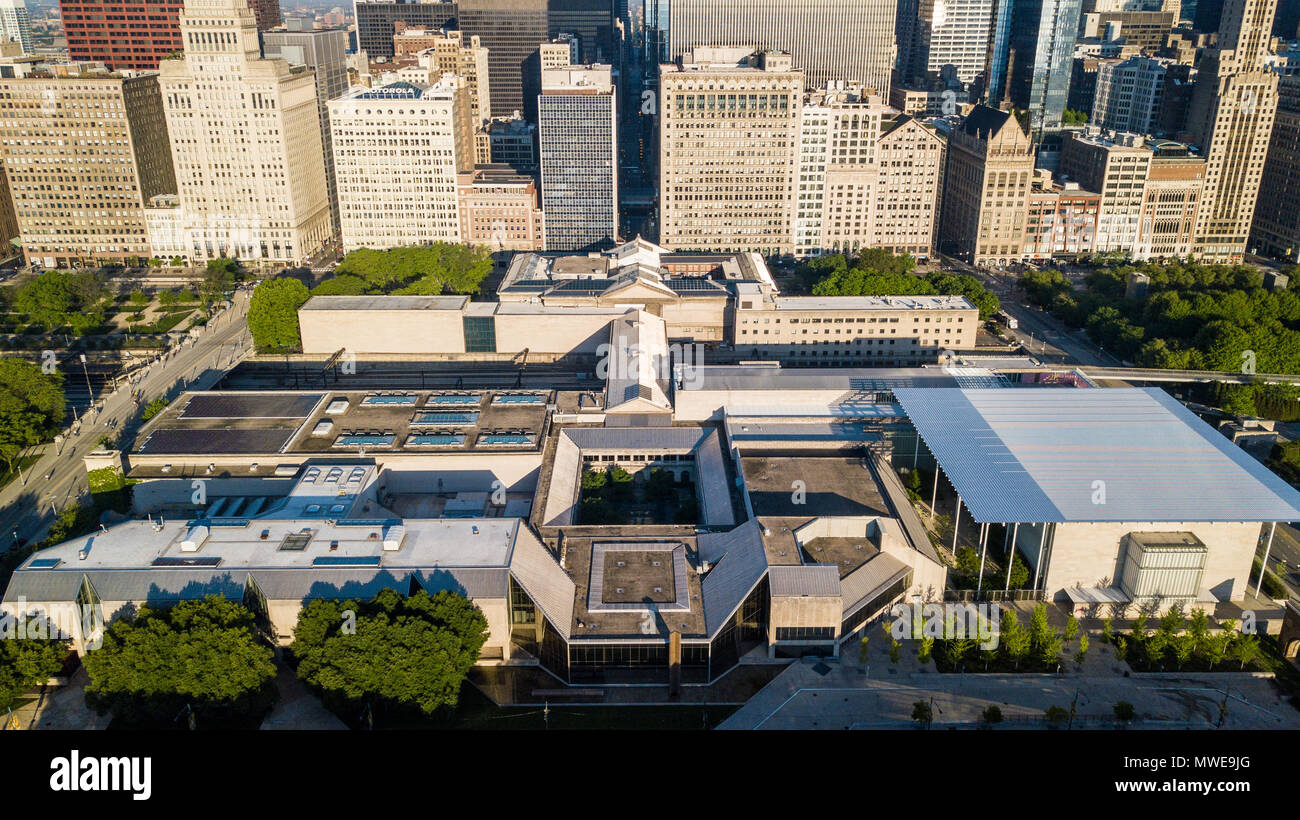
<point x="394" y="654"/>
<point x="424" y="270"/>
<point x="31" y="406"/>
<point x="202" y="654"/>
<point x="60" y="299"/>
<point x="876" y="272"/>
<point x="273" y="314"/>
<point x="28" y="661"/>
<point x="1194" y="317"/>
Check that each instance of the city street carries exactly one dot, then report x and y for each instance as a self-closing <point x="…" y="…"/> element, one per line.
<point x="28" y="506"/>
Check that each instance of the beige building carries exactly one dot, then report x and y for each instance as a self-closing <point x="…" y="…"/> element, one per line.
<point x="398" y="153"/>
<point x="246" y="142"/>
<point x="1116" y="165"/>
<point x="1170" y="202"/>
<point x="987" y="178"/>
<point x="84" y="150"/>
<point x="1276" y="229"/>
<point x="907" y="198"/>
<point x="728" y="151"/>
<point x="1230" y="120"/>
<point x="451" y="51"/>
<point x="499" y="208"/>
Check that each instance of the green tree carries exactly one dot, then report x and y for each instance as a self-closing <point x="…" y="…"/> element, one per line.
<point x="862" y="650"/>
<point x="1121" y="648"/>
<point x="1039" y="632"/>
<point x="1050" y="649"/>
<point x="1082" y="653"/>
<point x="1216" y="646"/>
<point x="1245" y="649"/>
<point x="1124" y="711"/>
<point x="957" y="650"/>
<point x="423" y="270"/>
<point x="923" y="713"/>
<point x="1071" y="628"/>
<point x="1056" y="715"/>
<point x="273" y="314"/>
<point x="1198" y="626"/>
<point x="1107" y="633"/>
<point x="992" y="714"/>
<point x="155" y="407"/>
<point x="620" y="484"/>
<point x="201" y="653"/>
<point x="31" y="407"/>
<point x="30" y="661"/>
<point x="395" y="654"/>
<point x="1014" y="639"/>
<point x="924" y="650"/>
<point x="894" y="650"/>
<point x="1183" y="645"/>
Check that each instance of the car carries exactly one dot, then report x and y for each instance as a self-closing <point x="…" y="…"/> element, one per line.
<point x="49" y="475"/>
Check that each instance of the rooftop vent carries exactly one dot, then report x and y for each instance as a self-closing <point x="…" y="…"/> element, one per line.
<point x="194" y="538"/>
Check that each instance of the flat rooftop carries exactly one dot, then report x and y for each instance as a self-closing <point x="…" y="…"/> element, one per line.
<point x="872" y="303"/>
<point x="345" y="422"/>
<point x="813" y="486"/>
<point x="676" y="607"/>
<point x="1110" y="454"/>
<point x="848" y="379"/>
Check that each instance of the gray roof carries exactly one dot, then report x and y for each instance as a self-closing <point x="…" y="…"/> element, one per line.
<point x="1089" y="455"/>
<point x="681" y="439"/>
<point x="865" y="379"/>
<point x="148" y="585"/>
<point x="740" y="566"/>
<point x="715" y="490"/>
<point x="813" y="580"/>
<point x="545" y="581"/>
<point x="869" y="580"/>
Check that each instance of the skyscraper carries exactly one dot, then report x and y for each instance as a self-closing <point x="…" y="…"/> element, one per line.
<point x="938" y="35"/>
<point x="15" y="25"/>
<point x="829" y="40"/>
<point x="1230" y="120"/>
<point x="398" y="150"/>
<point x="729" y="151"/>
<point x="987" y="180"/>
<point x="1033" y="53"/>
<point x="93" y="152"/>
<point x="324" y="51"/>
<point x="511" y="31"/>
<point x="246" y="142"/>
<point x="577" y="130"/>
<point x="1276" y="228"/>
<point x="452" y="51"/>
<point x="375" y="19"/>
<point x="122" y="34"/>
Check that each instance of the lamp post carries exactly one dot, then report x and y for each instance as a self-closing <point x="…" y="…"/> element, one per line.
<point x="90" y="394"/>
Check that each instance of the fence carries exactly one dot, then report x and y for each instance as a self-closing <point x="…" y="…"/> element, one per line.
<point x="965" y="596"/>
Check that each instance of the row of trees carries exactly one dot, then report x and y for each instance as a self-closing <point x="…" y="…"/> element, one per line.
<point x="876" y="272"/>
<point x="1195" y="317"/>
<point x="1179" y="640"/>
<point x="29" y="660"/>
<point x="31" y="407"/>
<point x="398" y="656"/>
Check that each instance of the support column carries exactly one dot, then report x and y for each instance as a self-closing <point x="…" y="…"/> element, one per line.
<point x="1263" y="568"/>
<point x="934" y="494"/>
<point x="956" y="523"/>
<point x="1011" y="552"/>
<point x="916" y="449"/>
<point x="1038" y="565"/>
<point x="984" y="543"/>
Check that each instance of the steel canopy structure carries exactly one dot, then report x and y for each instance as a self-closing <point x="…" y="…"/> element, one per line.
<point x="1057" y="455"/>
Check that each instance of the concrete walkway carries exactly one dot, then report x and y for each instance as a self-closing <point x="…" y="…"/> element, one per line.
<point x="843" y="694"/>
<point x="62" y="707"/>
<point x="297" y="707"/>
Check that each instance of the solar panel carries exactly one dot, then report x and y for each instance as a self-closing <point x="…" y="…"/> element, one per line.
<point x="358" y="440"/>
<point x="196" y="561"/>
<point x="388" y="400"/>
<point x="205" y="442"/>
<point x="251" y="406"/>
<point x="435" y="440"/>
<point x="456" y="398"/>
<point x="346" y="561"/>
<point x="445" y="419"/>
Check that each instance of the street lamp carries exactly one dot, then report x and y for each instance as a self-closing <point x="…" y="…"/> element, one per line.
<point x="90" y="394"/>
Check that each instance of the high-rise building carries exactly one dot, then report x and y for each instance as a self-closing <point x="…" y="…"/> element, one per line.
<point x="84" y="152"/>
<point x="1230" y="120"/>
<point x="1170" y="201"/>
<point x="376" y="19"/>
<point x="122" y="34"/>
<point x="15" y="25"/>
<point x="1276" y="228"/>
<point x="499" y="209"/>
<point x="729" y="151"/>
<point x="246" y="142"/>
<point x="1128" y="94"/>
<point x="443" y="51"/>
<point x="1141" y="24"/>
<point x="906" y="199"/>
<point x="831" y="41"/>
<point x="1034" y="59"/>
<point x="1062" y="218"/>
<point x="987" y="179"/>
<point x="510" y="30"/>
<point x="324" y="51"/>
<point x="266" y="13"/>
<point x="1116" y="165"/>
<point x="513" y="141"/>
<point x="577" y="138"/>
<point x="937" y="37"/>
<point x="398" y="151"/>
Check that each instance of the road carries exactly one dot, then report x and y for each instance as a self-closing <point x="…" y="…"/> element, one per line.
<point x="1284" y="557"/>
<point x="27" y="506"/>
